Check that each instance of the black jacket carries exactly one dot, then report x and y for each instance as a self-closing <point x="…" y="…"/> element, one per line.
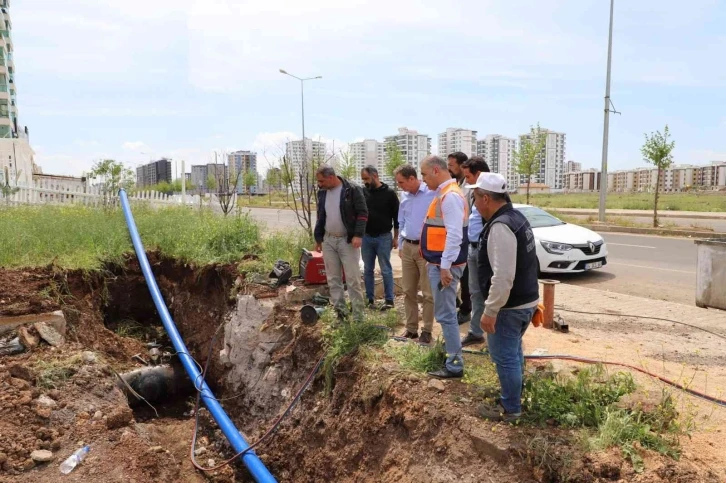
<point x="353" y="211"/>
<point x="525" y="288"/>
<point x="382" y="205"/>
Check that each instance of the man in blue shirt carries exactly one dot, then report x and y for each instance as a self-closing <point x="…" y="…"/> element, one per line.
<point x="472" y="169"/>
<point x="415" y="203"/>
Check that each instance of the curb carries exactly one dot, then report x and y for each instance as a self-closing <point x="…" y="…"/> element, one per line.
<point x="655" y="231"/>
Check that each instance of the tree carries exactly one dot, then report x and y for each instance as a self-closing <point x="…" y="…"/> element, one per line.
<point x="249" y="179"/>
<point x="657" y="151"/>
<point x="348" y="167"/>
<point x="211" y="183"/>
<point x="394" y="159"/>
<point x="528" y="156"/>
<point x="287" y="175"/>
<point x="113" y="176"/>
<point x="226" y="182"/>
<point x="272" y="179"/>
<point x="5" y="189"/>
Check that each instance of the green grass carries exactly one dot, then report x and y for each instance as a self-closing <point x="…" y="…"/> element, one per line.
<point x="588" y="401"/>
<point x="418" y="358"/>
<point x="630" y="201"/>
<point x="83" y="237"/>
<point x="341" y="339"/>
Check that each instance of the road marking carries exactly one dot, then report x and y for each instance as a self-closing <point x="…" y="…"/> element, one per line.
<point x="626" y="245"/>
<point x="653" y="268"/>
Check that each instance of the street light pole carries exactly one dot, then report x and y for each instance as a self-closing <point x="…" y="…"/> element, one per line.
<point x="302" y="100"/>
<point x="606" y="127"/>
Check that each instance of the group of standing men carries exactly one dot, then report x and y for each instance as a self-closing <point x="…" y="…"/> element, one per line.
<point x="454" y="225"/>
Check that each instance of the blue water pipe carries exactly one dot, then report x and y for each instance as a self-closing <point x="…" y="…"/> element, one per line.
<point x="257" y="468"/>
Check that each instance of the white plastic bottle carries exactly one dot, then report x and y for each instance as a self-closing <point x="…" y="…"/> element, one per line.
<point x="68" y="465"/>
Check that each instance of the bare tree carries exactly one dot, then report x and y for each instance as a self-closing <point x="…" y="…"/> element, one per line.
<point x="227" y="179"/>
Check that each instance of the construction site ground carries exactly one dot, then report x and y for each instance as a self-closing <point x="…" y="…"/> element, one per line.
<point x="380" y="423"/>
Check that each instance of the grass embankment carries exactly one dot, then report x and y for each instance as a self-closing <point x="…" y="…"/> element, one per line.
<point x="78" y="237"/>
<point x="629" y="201"/>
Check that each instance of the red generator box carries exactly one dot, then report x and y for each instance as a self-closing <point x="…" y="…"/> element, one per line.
<point x="312" y="268"/>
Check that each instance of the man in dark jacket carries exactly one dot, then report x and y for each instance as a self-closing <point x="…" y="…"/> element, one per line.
<point x="382" y="205"/>
<point x="339" y="230"/>
<point x="508" y="281"/>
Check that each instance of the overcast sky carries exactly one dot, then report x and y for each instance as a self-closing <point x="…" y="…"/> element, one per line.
<point x="136" y="79"/>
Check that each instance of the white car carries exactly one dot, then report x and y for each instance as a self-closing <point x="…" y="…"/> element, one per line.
<point x="563" y="247"/>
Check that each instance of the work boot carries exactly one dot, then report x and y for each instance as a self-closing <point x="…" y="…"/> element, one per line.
<point x="444" y="373"/>
<point x="425" y="338"/>
<point x="498" y="413"/>
<point x="371" y="303"/>
<point x="471" y="339"/>
<point x="463" y="318"/>
<point x="410" y="335"/>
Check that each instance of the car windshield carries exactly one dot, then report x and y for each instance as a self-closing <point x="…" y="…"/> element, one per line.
<point x="539" y="218"/>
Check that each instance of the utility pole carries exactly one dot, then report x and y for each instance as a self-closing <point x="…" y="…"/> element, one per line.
<point x="606" y="127"/>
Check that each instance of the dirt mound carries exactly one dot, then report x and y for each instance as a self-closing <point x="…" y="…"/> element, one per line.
<point x="380" y="423"/>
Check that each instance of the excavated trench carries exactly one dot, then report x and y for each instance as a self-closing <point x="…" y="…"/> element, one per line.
<point x="378" y="424"/>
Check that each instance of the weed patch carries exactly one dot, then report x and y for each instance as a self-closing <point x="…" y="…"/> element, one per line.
<point x="341" y="339"/>
<point x="418" y="358"/>
<point x="52" y="374"/>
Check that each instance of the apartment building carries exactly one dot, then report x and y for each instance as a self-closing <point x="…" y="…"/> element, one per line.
<point x="674" y="179"/>
<point x="457" y="139"/>
<point x="588" y="180"/>
<point x="368" y="152"/>
<point x="551" y="160"/>
<point x="414" y="146"/>
<point x="498" y="151"/>
<point x="302" y="152"/>
<point x="154" y="173"/>
<point x="573" y="167"/>
<point x="242" y="162"/>
<point x="202" y="174"/>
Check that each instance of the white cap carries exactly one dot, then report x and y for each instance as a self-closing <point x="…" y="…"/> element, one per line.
<point x="493" y="182"/>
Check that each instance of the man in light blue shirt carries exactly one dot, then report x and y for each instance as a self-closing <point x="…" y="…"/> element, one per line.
<point x="415" y="203"/>
<point x="472" y="169"/>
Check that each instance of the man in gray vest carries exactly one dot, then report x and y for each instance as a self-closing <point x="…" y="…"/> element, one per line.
<point x="508" y="280"/>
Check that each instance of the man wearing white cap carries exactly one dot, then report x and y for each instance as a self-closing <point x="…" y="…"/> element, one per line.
<point x="508" y="280"/>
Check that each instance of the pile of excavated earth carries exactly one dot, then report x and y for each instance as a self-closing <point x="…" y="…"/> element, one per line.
<point x="69" y="338"/>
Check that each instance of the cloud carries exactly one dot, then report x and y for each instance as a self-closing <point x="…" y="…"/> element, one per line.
<point x="136" y="146"/>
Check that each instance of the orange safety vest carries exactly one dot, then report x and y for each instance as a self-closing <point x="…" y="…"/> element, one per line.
<point x="433" y="236"/>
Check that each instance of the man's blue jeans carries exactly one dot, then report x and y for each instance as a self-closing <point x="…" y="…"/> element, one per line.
<point x="445" y="314"/>
<point x="477" y="298"/>
<point x="377" y="247"/>
<point x="505" y="347"/>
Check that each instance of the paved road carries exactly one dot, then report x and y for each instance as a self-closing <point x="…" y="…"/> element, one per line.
<point x="655" y="267"/>
<point x="648" y="266"/>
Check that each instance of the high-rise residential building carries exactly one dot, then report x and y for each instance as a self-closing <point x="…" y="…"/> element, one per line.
<point x="498" y="152"/>
<point x="240" y="163"/>
<point x="551" y="159"/>
<point x="414" y="146"/>
<point x="573" y="167"/>
<point x="208" y="178"/>
<point x="457" y="139"/>
<point x="16" y="155"/>
<point x="368" y="152"/>
<point x="153" y="173"/>
<point x="301" y="153"/>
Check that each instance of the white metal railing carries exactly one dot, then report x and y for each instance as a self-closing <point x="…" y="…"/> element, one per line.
<point x="47" y="192"/>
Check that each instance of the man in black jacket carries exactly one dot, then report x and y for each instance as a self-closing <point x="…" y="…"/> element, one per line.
<point x="382" y="205"/>
<point x="339" y="230"/>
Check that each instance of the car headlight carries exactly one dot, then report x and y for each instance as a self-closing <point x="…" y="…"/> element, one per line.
<point x="555" y="248"/>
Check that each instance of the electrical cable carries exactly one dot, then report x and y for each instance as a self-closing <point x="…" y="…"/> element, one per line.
<point x="642" y="317"/>
<point x="693" y="392"/>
